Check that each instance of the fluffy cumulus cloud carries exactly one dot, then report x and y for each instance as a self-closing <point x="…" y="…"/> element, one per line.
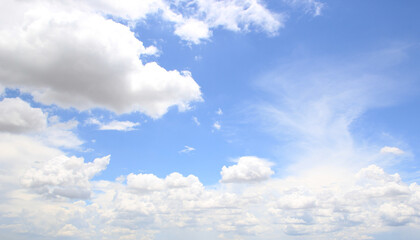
<point x="145" y="205"/>
<point x="193" y="30"/>
<point x="247" y="169"/>
<point x="64" y="176"/>
<point x="75" y="59"/>
<point x="17" y="116"/>
<point x="70" y="55"/>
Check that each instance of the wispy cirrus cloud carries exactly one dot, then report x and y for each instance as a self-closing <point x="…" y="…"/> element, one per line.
<point x="315" y="105"/>
<point x="113" y="125"/>
<point x="187" y="149"/>
<point x="392" y="150"/>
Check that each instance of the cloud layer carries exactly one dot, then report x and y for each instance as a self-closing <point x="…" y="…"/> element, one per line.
<point x="143" y="205"/>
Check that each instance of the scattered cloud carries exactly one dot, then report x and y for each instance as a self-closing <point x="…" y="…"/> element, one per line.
<point x="392" y="150"/>
<point x="217" y="125"/>
<point x="195" y="119"/>
<point x="219" y="111"/>
<point x="187" y="149"/>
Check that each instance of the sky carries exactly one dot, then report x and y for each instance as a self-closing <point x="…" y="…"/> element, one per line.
<point x="209" y="119"/>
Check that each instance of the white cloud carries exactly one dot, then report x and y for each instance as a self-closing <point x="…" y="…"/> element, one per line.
<point x="314" y="105"/>
<point x="64" y="176"/>
<point x="19" y="152"/>
<point x="119" y="126"/>
<point x="144" y="182"/>
<point x="187" y="149"/>
<point x="67" y="231"/>
<point x="392" y="150"/>
<point x="195" y="119"/>
<point x="354" y="207"/>
<point x="219" y="111"/>
<point x="195" y="19"/>
<point x="150" y="182"/>
<point x="17" y="116"/>
<point x="247" y="169"/>
<point x="94" y="54"/>
<point x="133" y="10"/>
<point x="114" y="125"/>
<point x="217" y="125"/>
<point x="60" y="134"/>
<point x="239" y="15"/>
<point x="193" y="30"/>
<point x="310" y="6"/>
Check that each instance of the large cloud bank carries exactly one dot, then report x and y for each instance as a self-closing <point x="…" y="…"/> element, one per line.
<point x="70" y="54"/>
<point x="143" y="206"/>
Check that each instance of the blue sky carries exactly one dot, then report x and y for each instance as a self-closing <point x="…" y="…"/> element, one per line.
<point x="187" y="119"/>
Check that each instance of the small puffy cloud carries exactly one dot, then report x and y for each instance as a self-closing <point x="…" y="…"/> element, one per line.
<point x="193" y="30"/>
<point x="217" y="125"/>
<point x="219" y="111"/>
<point x="195" y="119"/>
<point x="64" y="176"/>
<point x="17" y="116"/>
<point x="187" y="149"/>
<point x="247" y="169"/>
<point x="392" y="150"/>
<point x="114" y="125"/>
